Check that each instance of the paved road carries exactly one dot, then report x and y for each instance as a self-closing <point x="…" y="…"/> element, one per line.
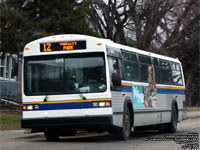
<point x="193" y="114"/>
<point x="17" y="140"/>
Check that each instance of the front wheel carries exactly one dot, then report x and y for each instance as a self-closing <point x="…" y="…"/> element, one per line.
<point x="125" y="130"/>
<point x="51" y="136"/>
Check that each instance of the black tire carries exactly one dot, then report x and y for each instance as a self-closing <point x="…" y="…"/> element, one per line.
<point x="51" y="136"/>
<point x="125" y="130"/>
<point x="172" y="126"/>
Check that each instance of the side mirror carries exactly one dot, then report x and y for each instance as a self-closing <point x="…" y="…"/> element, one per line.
<point x="116" y="79"/>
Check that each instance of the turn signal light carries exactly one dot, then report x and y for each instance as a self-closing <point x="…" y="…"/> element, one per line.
<point x="24" y="108"/>
<point x="107" y="103"/>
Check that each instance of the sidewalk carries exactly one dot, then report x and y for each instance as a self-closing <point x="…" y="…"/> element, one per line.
<point x="193" y="114"/>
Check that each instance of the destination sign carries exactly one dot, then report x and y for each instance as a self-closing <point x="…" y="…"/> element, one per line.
<point x="62" y="46"/>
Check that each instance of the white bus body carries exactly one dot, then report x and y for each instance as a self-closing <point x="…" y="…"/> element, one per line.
<point x="76" y="81"/>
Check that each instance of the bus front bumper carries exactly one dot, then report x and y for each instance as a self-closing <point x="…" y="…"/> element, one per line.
<point x="72" y="122"/>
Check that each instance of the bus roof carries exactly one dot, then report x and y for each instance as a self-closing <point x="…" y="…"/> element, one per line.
<point x="132" y="49"/>
<point x="105" y="42"/>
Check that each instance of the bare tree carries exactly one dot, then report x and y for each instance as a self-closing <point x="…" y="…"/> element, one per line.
<point x="183" y="42"/>
<point x="115" y="19"/>
<point x="147" y="18"/>
<point x="109" y="18"/>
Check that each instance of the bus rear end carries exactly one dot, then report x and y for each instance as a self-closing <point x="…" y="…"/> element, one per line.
<point x="65" y="86"/>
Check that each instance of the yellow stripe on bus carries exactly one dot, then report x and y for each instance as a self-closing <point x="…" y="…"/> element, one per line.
<point x="164" y="87"/>
<point x="69" y="101"/>
<point x="127" y="84"/>
<point x="160" y="87"/>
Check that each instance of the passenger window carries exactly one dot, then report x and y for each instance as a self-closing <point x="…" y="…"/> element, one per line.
<point x="176" y="74"/>
<point x="131" y="70"/>
<point x="155" y="62"/>
<point x="145" y="62"/>
<point x="130" y="64"/>
<point x="157" y="70"/>
<point x="166" y="73"/>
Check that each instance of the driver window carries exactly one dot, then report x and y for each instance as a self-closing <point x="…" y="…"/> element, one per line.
<point x="113" y="68"/>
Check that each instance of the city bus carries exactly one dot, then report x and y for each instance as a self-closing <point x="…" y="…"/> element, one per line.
<point x="77" y="82"/>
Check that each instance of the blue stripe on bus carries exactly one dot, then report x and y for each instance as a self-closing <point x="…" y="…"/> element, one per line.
<point x="163" y="90"/>
<point x="170" y="91"/>
<point x="57" y="106"/>
<point x="126" y="88"/>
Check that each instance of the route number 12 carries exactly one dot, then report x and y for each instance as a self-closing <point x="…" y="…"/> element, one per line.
<point x="47" y="47"/>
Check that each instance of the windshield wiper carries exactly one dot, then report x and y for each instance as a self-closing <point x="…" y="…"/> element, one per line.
<point x="82" y="96"/>
<point x="45" y="99"/>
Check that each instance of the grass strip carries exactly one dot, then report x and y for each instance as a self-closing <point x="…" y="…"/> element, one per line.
<point x="189" y="109"/>
<point x="10" y="121"/>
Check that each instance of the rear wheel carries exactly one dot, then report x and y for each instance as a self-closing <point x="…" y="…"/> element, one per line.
<point x="51" y="135"/>
<point x="125" y="130"/>
<point x="172" y="126"/>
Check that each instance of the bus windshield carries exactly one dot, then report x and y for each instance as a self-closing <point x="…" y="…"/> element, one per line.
<point x="65" y="74"/>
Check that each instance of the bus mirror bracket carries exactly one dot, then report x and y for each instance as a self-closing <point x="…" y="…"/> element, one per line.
<point x="116" y="79"/>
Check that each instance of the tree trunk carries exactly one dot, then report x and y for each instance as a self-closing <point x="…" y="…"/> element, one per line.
<point x="189" y="89"/>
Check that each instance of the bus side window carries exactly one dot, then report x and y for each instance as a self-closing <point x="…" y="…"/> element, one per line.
<point x="176" y="74"/>
<point x="130" y="66"/>
<point x="115" y="78"/>
<point x="166" y="74"/>
<point x="157" y="69"/>
<point x="145" y="61"/>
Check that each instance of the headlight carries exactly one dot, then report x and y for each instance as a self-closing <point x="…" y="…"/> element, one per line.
<point x="101" y="104"/>
<point x="30" y="107"/>
<point x="36" y="107"/>
<point x="95" y="104"/>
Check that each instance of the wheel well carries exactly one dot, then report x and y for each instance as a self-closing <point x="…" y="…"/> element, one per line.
<point x="176" y="106"/>
<point x="130" y="107"/>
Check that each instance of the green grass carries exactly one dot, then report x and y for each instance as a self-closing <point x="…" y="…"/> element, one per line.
<point x="189" y="109"/>
<point x="10" y="121"/>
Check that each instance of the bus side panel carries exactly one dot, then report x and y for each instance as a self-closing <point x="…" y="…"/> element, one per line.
<point x="164" y="106"/>
<point x="117" y="106"/>
<point x="163" y="112"/>
<point x="146" y="118"/>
